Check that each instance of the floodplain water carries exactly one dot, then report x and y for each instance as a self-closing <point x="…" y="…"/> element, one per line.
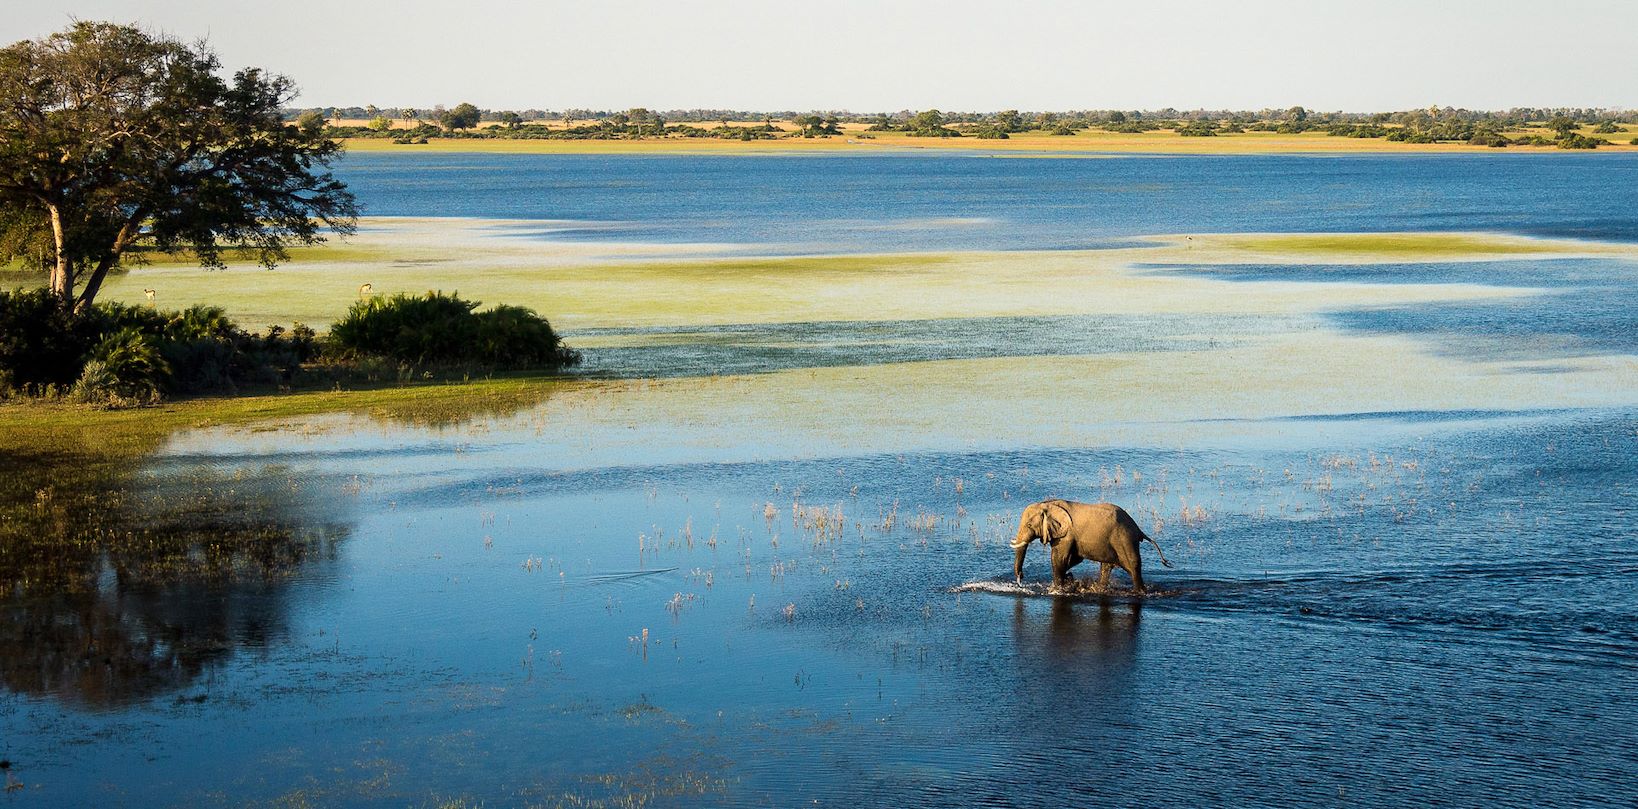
<point x="767" y="564"/>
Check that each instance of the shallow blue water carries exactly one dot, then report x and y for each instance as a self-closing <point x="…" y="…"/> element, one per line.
<point x="1428" y="606"/>
<point x="899" y="202"/>
<point x="1579" y="306"/>
<point x="1443" y="609"/>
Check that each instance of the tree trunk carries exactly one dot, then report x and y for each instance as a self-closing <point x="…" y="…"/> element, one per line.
<point x="94" y="283"/>
<point x="62" y="272"/>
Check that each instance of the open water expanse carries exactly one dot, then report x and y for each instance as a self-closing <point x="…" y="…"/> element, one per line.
<point x="767" y="563"/>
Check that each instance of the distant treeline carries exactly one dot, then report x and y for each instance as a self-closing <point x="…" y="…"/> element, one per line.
<point x="1431" y="125"/>
<point x="1516" y="115"/>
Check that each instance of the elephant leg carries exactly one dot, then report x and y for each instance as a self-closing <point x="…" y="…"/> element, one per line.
<point x="1132" y="561"/>
<point x="1103" y="574"/>
<point x="1134" y="568"/>
<point x="1062" y="561"/>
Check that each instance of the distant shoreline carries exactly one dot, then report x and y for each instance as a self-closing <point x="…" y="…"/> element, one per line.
<point x="1088" y="143"/>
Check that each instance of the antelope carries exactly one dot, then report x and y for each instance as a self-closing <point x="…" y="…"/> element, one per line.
<point x="364" y="291"/>
<point x="150" y="294"/>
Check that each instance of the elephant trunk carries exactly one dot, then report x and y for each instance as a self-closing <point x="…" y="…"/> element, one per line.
<point x="1020" y="547"/>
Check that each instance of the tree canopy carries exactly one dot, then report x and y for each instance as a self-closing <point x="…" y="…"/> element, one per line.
<point x="927" y="120"/>
<point x="112" y="137"/>
<point x="463" y="116"/>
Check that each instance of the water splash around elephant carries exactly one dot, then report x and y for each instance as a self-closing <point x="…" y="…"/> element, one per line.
<point x="1086" y="589"/>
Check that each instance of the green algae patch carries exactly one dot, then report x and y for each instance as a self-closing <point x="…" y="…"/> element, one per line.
<point x="334" y="251"/>
<point x="580" y="285"/>
<point x="1393" y="245"/>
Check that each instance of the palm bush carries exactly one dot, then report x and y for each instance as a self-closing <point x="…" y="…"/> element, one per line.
<point x="445" y="329"/>
<point x="127" y="366"/>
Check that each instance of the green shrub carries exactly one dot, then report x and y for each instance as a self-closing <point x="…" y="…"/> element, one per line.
<point x="444" y="329"/>
<point x="42" y="343"/>
<point x="140" y="351"/>
<point x="1575" y="141"/>
<point x="517" y="337"/>
<point x="126" y="367"/>
<point x="1356" y="131"/>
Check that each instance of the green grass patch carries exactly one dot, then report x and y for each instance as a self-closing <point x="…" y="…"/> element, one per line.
<point x="333" y="251"/>
<point x="579" y="295"/>
<point x="1388" y="244"/>
<point x="797" y="266"/>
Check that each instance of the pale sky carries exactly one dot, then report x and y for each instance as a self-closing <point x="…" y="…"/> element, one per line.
<point x="1366" y="55"/>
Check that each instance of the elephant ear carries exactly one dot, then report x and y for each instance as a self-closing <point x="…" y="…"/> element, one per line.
<point x="1055" y="521"/>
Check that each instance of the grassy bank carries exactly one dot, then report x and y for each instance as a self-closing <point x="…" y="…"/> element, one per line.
<point x="68" y="494"/>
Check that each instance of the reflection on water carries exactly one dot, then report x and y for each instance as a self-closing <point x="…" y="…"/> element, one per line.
<point x="132" y="639"/>
<point x="1094" y="642"/>
<point x="110" y="607"/>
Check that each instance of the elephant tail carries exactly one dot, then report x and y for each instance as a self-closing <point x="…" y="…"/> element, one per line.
<point x="1162" y="553"/>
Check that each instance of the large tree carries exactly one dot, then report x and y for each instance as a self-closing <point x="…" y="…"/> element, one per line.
<point x="464" y="116"/>
<point x="112" y="138"/>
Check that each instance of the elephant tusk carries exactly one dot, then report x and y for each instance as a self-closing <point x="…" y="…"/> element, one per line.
<point x="1017" y="545"/>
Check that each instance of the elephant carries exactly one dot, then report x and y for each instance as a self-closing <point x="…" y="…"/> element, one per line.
<point x="1101" y="532"/>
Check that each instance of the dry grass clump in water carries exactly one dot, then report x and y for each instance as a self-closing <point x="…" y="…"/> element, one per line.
<point x="822" y="524"/>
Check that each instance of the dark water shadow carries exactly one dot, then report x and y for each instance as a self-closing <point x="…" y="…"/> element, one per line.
<point x="105" y="607"/>
<point x="1082" y="630"/>
<point x="1078" y="658"/>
